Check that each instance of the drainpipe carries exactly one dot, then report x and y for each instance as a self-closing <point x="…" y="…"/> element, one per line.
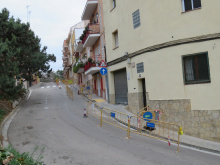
<point x="106" y="76"/>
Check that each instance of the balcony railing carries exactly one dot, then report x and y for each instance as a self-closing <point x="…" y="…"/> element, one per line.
<point x="92" y="29"/>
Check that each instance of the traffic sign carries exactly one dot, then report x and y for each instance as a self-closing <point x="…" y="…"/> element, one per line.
<point x="147" y="115"/>
<point x="103" y="71"/>
<point x="103" y="64"/>
<point x="152" y="125"/>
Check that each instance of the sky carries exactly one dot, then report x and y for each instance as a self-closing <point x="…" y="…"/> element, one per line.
<point x="50" y="20"/>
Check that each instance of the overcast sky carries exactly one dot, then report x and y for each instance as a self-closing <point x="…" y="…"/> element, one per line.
<point x="49" y="19"/>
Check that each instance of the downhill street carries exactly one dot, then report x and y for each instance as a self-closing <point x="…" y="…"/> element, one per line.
<point x="52" y="120"/>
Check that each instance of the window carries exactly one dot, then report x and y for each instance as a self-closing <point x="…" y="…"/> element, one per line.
<point x="196" y="68"/>
<point x="115" y="35"/>
<point x="113" y="3"/>
<point x="191" y="4"/>
<point x="136" y="19"/>
<point x="140" y="67"/>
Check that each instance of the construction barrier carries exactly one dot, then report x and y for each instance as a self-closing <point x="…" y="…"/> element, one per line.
<point x="157" y="129"/>
<point x="69" y="91"/>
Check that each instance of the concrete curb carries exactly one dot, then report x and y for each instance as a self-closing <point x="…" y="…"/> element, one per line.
<point x="7" y="121"/>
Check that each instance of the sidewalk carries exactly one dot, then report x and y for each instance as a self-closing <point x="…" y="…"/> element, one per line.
<point x="185" y="140"/>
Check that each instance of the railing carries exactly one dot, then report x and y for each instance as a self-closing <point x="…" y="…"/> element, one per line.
<point x="93" y="29"/>
<point x="161" y="130"/>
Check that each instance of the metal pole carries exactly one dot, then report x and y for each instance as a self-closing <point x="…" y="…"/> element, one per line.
<point x="128" y="131"/>
<point x="101" y="117"/>
<point x="87" y="112"/>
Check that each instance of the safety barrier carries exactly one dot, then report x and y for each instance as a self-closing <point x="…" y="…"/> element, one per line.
<point x="69" y="92"/>
<point x="165" y="131"/>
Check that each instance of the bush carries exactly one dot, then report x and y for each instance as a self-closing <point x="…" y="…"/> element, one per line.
<point x="2" y="113"/>
<point x="75" y="69"/>
<point x="90" y="59"/>
<point x="10" y="156"/>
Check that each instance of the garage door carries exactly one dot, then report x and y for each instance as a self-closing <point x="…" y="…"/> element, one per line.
<point x="121" y="87"/>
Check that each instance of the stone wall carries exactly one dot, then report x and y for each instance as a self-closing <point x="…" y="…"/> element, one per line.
<point x="135" y="102"/>
<point x="198" y="123"/>
<point x="204" y="124"/>
<point x="112" y="98"/>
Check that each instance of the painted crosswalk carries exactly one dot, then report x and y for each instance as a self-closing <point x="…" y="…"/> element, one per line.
<point x="54" y="86"/>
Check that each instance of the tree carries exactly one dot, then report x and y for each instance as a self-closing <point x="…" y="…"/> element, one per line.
<point x="59" y="74"/>
<point x="21" y="54"/>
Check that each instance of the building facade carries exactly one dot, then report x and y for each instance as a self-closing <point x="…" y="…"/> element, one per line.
<point x="91" y="47"/>
<point x="166" y="55"/>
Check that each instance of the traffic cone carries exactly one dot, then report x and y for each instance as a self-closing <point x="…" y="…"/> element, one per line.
<point x="84" y="113"/>
<point x="168" y="140"/>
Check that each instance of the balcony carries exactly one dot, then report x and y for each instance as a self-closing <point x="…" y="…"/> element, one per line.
<point x="89" y="9"/>
<point x="92" y="35"/>
<point x="91" y="69"/>
<point x="78" y="46"/>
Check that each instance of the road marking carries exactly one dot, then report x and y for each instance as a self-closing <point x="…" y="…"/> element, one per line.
<point x="42" y="87"/>
<point x="48" y="86"/>
<point x="54" y="86"/>
<point x="46" y="107"/>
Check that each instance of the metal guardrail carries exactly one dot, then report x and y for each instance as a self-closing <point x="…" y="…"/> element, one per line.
<point x="165" y="131"/>
<point x="69" y="91"/>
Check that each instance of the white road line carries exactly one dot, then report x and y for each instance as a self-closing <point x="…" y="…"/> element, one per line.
<point x="48" y="86"/>
<point x="54" y="86"/>
<point x="42" y="87"/>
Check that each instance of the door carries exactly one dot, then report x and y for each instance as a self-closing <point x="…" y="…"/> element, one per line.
<point x="121" y="87"/>
<point x="144" y="93"/>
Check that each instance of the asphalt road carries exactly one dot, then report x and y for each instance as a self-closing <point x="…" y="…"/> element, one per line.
<point x="52" y="120"/>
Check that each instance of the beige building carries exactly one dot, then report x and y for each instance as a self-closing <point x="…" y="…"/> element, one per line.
<point x="166" y="55"/>
<point x="69" y="53"/>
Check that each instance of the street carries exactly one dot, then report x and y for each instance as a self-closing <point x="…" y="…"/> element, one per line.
<point x="52" y="120"/>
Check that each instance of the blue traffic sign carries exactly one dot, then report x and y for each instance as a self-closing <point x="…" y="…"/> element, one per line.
<point x="103" y="71"/>
<point x="147" y="115"/>
<point x="152" y="125"/>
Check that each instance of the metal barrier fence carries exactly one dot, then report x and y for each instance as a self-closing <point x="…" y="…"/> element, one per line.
<point x="153" y="128"/>
<point x="165" y="131"/>
<point x="69" y="91"/>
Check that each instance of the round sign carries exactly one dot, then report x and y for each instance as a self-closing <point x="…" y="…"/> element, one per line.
<point x="147" y="115"/>
<point x="103" y="71"/>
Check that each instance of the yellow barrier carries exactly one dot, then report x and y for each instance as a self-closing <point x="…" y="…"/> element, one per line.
<point x="135" y="124"/>
<point x="69" y="92"/>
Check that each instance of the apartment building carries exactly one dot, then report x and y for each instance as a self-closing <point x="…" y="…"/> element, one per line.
<point x="69" y="53"/>
<point x="165" y="54"/>
<point x="91" y="48"/>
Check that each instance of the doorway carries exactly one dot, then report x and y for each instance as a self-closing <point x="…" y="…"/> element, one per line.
<point x="144" y="92"/>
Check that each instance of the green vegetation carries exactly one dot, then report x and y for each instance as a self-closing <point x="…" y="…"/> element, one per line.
<point x="10" y="156"/>
<point x="2" y="114"/>
<point x="21" y="55"/>
<point x="79" y="65"/>
<point x="59" y="74"/>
